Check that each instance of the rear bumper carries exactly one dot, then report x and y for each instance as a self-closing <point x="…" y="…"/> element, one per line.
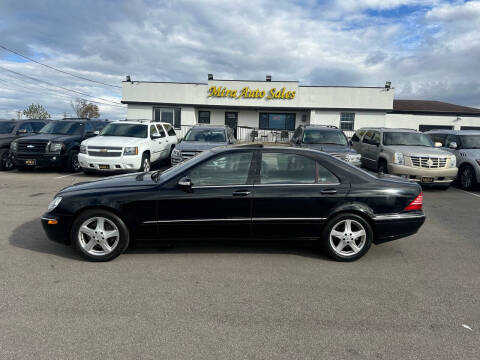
<point x="130" y="163"/>
<point x="440" y="176"/>
<point x="395" y="226"/>
<point x="59" y="232"/>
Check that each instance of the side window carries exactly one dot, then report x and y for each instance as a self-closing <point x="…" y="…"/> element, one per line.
<point x="25" y="128"/>
<point x="376" y="138"/>
<point x="284" y="168"/>
<point x="161" y="131"/>
<point x="450" y="139"/>
<point x="153" y="131"/>
<point x="89" y="128"/>
<point x="169" y="130"/>
<point x="229" y="169"/>
<point x="438" y="138"/>
<point x="368" y="137"/>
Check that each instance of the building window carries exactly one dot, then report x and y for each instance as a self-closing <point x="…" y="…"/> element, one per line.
<point x="168" y="115"/>
<point x="204" y="117"/>
<point x="347" y="120"/>
<point x="271" y="121"/>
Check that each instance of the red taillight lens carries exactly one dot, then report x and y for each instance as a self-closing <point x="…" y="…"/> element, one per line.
<point x="416" y="204"/>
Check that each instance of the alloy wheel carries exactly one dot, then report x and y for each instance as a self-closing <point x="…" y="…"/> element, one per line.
<point x="75" y="163"/>
<point x="348" y="237"/>
<point x="7" y="161"/>
<point x="466" y="177"/>
<point x="146" y="165"/>
<point x="98" y="236"/>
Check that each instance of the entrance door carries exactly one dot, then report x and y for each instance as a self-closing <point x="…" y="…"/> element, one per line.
<point x="231" y="119"/>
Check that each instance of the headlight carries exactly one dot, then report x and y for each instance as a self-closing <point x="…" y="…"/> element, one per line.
<point x="83" y="149"/>
<point x="453" y="161"/>
<point x="398" y="159"/>
<point x="130" y="151"/>
<point x="176" y="153"/>
<point x="353" y="157"/>
<point x="55" y="146"/>
<point x="14" y="146"/>
<point x="54" y="203"/>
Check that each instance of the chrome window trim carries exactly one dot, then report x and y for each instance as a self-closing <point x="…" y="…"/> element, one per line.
<point x="398" y="216"/>
<point x="300" y="184"/>
<point x="219" y="186"/>
<point x="47" y="219"/>
<point x="233" y="219"/>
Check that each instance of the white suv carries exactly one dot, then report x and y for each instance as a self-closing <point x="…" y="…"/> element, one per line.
<point x="127" y="146"/>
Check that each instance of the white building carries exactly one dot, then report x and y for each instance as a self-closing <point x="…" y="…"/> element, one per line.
<point x="284" y="105"/>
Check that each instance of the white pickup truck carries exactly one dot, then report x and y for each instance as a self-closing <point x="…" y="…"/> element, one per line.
<point x="127" y="146"/>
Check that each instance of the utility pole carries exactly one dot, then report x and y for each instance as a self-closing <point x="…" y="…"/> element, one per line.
<point x="19" y="114"/>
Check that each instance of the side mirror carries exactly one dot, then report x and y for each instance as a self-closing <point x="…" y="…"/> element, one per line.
<point x="185" y="183"/>
<point x="155" y="136"/>
<point x="438" y="144"/>
<point x="21" y="131"/>
<point x="453" y="145"/>
<point x="96" y="132"/>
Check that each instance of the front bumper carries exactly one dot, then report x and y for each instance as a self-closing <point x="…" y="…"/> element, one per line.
<point x="130" y="163"/>
<point x="39" y="160"/>
<point x="395" y="226"/>
<point x="176" y="160"/>
<point x="59" y="231"/>
<point x="440" y="176"/>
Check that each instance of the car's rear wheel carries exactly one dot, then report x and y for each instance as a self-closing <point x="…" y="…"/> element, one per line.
<point x="99" y="235"/>
<point x="145" y="167"/>
<point x="347" y="237"/>
<point x="6" y="160"/>
<point x="467" y="177"/>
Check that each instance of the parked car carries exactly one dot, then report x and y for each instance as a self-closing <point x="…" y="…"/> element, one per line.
<point x="11" y="130"/>
<point x="245" y="192"/>
<point x="406" y="153"/>
<point x="200" y="138"/>
<point x="329" y="139"/>
<point x="128" y="146"/>
<point x="56" y="145"/>
<point x="465" y="145"/>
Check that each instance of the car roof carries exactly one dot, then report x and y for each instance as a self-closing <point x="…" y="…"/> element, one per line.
<point x="24" y="120"/>
<point x="210" y="126"/>
<point x="454" y="132"/>
<point x="321" y="127"/>
<point x="389" y="129"/>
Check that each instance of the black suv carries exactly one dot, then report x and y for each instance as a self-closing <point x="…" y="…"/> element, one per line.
<point x="56" y="145"/>
<point x="11" y="130"/>
<point x="326" y="138"/>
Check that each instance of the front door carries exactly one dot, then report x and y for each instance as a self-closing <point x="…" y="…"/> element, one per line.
<point x="293" y="196"/>
<point x="219" y="204"/>
<point x="231" y="120"/>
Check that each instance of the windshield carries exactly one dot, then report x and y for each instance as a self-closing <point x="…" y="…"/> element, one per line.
<point x="128" y="130"/>
<point x="406" y="138"/>
<point x="6" y="127"/>
<point x="207" y="135"/>
<point x="63" y="128"/>
<point x="324" y="137"/>
<point x="471" y="141"/>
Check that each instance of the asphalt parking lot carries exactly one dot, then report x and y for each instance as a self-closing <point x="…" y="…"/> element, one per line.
<point x="414" y="298"/>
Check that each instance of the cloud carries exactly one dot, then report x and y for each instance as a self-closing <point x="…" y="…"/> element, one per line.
<point x="428" y="49"/>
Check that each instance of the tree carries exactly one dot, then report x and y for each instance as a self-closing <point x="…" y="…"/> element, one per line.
<point x="84" y="109"/>
<point x="36" y="111"/>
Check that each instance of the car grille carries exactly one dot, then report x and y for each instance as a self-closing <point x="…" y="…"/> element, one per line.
<point x="341" y="156"/>
<point x="189" y="154"/>
<point x="429" y="162"/>
<point x="105" y="151"/>
<point x="32" y="147"/>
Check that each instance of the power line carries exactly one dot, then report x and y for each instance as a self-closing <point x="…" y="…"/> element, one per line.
<point x="61" y="87"/>
<point x="53" y="68"/>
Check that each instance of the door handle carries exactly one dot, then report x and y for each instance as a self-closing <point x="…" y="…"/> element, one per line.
<point x="241" y="193"/>
<point x="328" y="192"/>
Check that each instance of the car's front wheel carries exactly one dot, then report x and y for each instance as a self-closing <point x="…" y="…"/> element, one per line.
<point x="467" y="177"/>
<point x="145" y="167"/>
<point x="99" y="235"/>
<point x="72" y="164"/>
<point x="6" y="160"/>
<point x="347" y="237"/>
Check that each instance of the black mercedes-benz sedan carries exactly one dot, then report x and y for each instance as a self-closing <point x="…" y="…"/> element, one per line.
<point x="246" y="192"/>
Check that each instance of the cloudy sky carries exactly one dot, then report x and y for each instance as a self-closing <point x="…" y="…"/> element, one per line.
<point x="429" y="49"/>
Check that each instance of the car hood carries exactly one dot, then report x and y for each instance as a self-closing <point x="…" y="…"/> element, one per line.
<point x="198" y="145"/>
<point x="112" y="182"/>
<point x="120" y="141"/>
<point x="330" y="148"/>
<point x="417" y="150"/>
<point x="48" y="137"/>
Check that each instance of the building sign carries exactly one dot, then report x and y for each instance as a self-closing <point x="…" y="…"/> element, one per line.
<point x="248" y="93"/>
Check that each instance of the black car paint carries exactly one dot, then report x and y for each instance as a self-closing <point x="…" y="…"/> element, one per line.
<point x="297" y="140"/>
<point x="279" y="211"/>
<point x="6" y="139"/>
<point x="44" y="158"/>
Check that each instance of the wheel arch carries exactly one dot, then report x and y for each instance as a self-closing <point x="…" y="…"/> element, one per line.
<point x="362" y="210"/>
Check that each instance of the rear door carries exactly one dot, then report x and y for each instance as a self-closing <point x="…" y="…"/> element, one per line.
<point x="293" y="196"/>
<point x="366" y="151"/>
<point x="157" y="143"/>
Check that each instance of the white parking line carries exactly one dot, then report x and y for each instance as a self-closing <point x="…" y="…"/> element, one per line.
<point x="468" y="192"/>
<point x="60" y="177"/>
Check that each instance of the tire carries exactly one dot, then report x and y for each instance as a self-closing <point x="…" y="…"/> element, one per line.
<point x="88" y="172"/>
<point x="342" y="246"/>
<point x="382" y="166"/>
<point x="72" y="164"/>
<point x="146" y="166"/>
<point x="89" y="237"/>
<point x="6" y="160"/>
<point x="466" y="176"/>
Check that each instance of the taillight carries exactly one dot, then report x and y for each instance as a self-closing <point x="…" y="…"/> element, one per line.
<point x="416" y="204"/>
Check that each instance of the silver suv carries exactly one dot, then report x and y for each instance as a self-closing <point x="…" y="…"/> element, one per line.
<point x="465" y="144"/>
<point x="406" y="153"/>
